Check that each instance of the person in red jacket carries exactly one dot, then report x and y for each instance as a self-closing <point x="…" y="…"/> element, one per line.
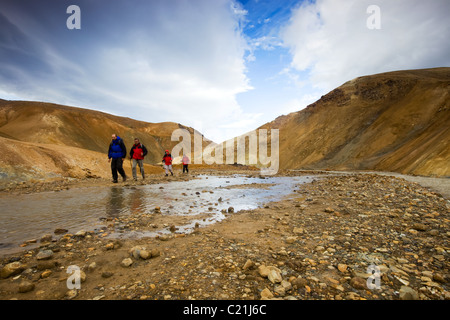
<point x="185" y="163"/>
<point x="137" y="154"/>
<point x="167" y="162"/>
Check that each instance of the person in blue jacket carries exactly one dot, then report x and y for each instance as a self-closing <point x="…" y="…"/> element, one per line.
<point x="116" y="154"/>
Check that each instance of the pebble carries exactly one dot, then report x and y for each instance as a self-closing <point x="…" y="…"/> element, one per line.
<point x="127" y="262"/>
<point x="407" y="293"/>
<point x="419" y="227"/>
<point x="46" y="274"/>
<point x="60" y="231"/>
<point x="26" y="286"/>
<point x="11" y="269"/>
<point x="274" y="276"/>
<point x="46" y="238"/>
<point x="248" y="265"/>
<point x="266" y="294"/>
<point x="44" y="255"/>
<point x="358" y="283"/>
<point x="342" y="267"/>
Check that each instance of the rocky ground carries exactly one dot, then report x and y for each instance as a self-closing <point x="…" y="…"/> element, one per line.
<point x="333" y="239"/>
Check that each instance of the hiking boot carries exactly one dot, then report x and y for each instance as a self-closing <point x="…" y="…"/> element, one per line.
<point x="124" y="178"/>
<point x="114" y="181"/>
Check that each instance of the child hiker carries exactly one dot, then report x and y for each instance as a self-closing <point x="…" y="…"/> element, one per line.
<point x="167" y="162"/>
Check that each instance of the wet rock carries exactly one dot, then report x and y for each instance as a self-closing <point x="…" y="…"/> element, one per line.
<point x="11" y="269"/>
<point x="60" y="231"/>
<point x="230" y="210"/>
<point x="81" y="234"/>
<point x="44" y="255"/>
<point x="46" y="238"/>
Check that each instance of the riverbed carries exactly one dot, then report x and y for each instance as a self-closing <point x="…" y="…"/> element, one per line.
<point x="202" y="201"/>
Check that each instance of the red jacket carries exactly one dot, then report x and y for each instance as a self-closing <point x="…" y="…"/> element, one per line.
<point x="185" y="160"/>
<point x="138" y="152"/>
<point x="167" y="159"/>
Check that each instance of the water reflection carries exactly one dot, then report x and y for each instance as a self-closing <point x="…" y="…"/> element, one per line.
<point x="136" y="200"/>
<point x="114" y="205"/>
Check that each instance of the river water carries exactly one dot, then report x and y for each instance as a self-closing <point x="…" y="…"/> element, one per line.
<point x="30" y="216"/>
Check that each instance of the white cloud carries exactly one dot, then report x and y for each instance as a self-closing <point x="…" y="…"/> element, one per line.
<point x="331" y="41"/>
<point x="159" y="61"/>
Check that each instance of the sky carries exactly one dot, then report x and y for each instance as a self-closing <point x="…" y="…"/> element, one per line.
<point x="223" y="67"/>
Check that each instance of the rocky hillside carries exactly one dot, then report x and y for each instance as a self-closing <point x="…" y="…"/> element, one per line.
<point x="396" y="121"/>
<point x="42" y="140"/>
<point x="86" y="129"/>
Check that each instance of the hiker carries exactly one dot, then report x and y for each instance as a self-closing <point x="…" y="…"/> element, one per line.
<point x="185" y="163"/>
<point x="137" y="154"/>
<point x="116" y="154"/>
<point x="167" y="162"/>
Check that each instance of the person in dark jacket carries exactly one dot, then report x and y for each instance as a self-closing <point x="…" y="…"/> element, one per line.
<point x="116" y="154"/>
<point x="137" y="154"/>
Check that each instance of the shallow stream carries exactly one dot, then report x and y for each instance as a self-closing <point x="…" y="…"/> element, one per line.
<point x="30" y="216"/>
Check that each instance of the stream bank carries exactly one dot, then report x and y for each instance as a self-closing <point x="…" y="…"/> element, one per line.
<point x="318" y="244"/>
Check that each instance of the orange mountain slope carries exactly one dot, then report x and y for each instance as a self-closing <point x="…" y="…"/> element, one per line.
<point x="396" y="121"/>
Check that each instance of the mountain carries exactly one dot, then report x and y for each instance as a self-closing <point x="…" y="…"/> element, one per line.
<point x="42" y="139"/>
<point x="39" y="122"/>
<point x="396" y="121"/>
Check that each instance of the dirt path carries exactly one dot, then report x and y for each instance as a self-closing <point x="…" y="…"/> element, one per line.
<point x="440" y="185"/>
